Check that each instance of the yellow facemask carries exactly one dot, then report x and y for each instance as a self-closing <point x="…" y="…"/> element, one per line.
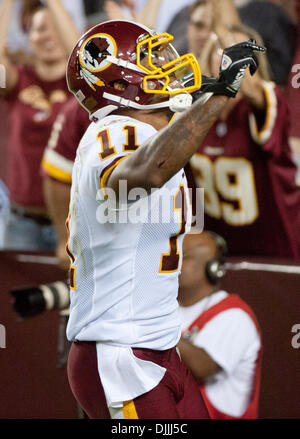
<point x="157" y="57"/>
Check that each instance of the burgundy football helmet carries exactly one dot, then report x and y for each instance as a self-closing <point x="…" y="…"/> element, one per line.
<point x="144" y="61"/>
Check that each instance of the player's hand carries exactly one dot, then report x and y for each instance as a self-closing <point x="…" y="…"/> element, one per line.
<point x="235" y="60"/>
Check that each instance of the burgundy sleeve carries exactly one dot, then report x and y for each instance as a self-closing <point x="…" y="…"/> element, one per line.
<point x="273" y="135"/>
<point x="66" y="134"/>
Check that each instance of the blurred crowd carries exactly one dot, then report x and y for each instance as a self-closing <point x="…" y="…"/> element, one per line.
<point x="247" y="164"/>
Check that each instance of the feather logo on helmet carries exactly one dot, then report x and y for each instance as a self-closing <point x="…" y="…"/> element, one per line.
<point x="94" y="57"/>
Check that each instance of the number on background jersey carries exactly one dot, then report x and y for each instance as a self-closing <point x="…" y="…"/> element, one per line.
<point x="169" y="262"/>
<point x="230" y="191"/>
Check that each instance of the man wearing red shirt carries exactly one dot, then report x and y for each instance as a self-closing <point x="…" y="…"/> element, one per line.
<point x="33" y="106"/>
<point x="34" y="96"/>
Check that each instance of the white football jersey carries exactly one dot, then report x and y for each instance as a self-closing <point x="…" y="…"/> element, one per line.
<point x="126" y="258"/>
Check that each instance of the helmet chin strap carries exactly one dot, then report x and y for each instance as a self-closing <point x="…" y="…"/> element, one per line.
<point x="177" y="103"/>
<point x="102" y="112"/>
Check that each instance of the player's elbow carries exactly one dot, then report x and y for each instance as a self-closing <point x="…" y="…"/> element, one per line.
<point x="155" y="180"/>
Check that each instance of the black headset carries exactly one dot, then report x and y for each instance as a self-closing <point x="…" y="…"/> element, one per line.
<point x="215" y="268"/>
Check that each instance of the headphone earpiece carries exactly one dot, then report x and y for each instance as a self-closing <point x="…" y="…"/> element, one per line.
<point x="215" y="268"/>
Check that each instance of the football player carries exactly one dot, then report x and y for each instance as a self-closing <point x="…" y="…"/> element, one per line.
<point x="125" y="258"/>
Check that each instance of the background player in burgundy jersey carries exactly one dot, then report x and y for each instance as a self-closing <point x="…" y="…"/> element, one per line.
<point x="34" y="96"/>
<point x="228" y="372"/>
<point x="245" y="166"/>
<point x="57" y="164"/>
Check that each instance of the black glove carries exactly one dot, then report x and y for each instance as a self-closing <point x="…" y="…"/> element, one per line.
<point x="207" y="86"/>
<point x="235" y="60"/>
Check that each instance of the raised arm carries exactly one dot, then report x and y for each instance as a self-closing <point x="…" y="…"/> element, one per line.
<point x="162" y="156"/>
<point x="252" y="88"/>
<point x="225" y="13"/>
<point x="253" y="91"/>
<point x="149" y="13"/>
<point x="226" y="17"/>
<point x="65" y="25"/>
<point x="11" y="75"/>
